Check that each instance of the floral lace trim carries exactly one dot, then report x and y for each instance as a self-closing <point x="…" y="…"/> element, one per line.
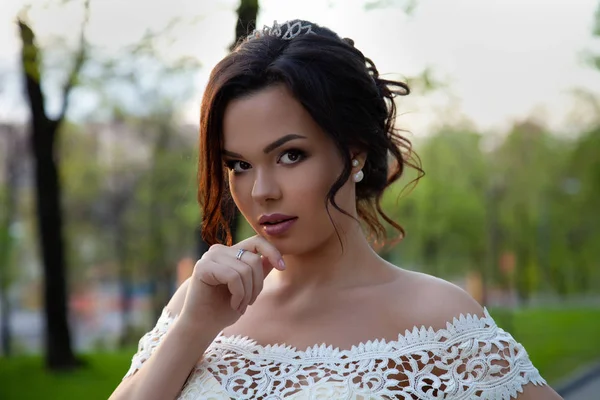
<point x="460" y="329"/>
<point x="472" y="358"/>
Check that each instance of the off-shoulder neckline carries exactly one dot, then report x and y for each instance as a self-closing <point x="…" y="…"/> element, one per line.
<point x="465" y="325"/>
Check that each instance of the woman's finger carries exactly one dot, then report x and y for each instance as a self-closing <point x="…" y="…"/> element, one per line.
<point x="255" y="262"/>
<point x="215" y="273"/>
<point x="247" y="276"/>
<point x="259" y="245"/>
<point x="235" y="285"/>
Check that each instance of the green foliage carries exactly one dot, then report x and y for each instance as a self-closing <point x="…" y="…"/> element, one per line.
<point x="532" y="195"/>
<point x="118" y="188"/>
<point x="445" y="214"/>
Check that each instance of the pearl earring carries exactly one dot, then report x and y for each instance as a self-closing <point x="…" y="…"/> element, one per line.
<point x="359" y="176"/>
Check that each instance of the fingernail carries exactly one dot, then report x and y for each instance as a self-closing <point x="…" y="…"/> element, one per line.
<point x="281" y="264"/>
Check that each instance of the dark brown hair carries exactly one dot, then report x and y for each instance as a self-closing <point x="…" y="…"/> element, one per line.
<point x="344" y="94"/>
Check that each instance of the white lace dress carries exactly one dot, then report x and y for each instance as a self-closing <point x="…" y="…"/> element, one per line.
<point x="471" y="359"/>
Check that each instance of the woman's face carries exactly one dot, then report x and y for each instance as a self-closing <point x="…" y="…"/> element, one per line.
<point x="281" y="166"/>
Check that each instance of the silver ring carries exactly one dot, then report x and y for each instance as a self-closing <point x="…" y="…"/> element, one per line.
<point x="240" y="254"/>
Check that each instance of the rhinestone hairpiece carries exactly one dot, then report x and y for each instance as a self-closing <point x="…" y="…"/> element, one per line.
<point x="286" y="31"/>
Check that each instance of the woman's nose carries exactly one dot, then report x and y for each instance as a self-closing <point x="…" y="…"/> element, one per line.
<point x="265" y="187"/>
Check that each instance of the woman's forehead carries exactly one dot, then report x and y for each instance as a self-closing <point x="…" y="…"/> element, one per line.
<point x="266" y="115"/>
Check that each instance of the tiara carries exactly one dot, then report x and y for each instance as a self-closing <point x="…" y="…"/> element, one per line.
<point x="286" y="31"/>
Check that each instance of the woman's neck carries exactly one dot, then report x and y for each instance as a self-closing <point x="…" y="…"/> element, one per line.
<point x="330" y="266"/>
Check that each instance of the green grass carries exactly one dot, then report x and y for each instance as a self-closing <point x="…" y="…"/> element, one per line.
<point x="558" y="342"/>
<point x="24" y="378"/>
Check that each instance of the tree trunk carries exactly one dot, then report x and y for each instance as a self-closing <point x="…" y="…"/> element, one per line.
<point x="59" y="353"/>
<point x="247" y="13"/>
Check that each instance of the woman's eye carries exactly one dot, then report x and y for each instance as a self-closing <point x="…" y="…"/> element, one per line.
<point x="238" y="166"/>
<point x="292" y="157"/>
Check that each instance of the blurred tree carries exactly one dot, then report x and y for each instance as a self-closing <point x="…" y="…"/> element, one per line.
<point x="146" y="106"/>
<point x="44" y="132"/>
<point x="579" y="189"/>
<point x="247" y="13"/>
<point x="529" y="162"/>
<point x="14" y="153"/>
<point x="131" y="204"/>
<point x="100" y="183"/>
<point x="450" y="194"/>
<point x="122" y="186"/>
<point x="594" y="58"/>
<point x="162" y="185"/>
<point x="82" y="175"/>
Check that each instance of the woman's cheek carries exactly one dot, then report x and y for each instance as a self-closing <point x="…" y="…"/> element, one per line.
<point x="314" y="174"/>
<point x="241" y="191"/>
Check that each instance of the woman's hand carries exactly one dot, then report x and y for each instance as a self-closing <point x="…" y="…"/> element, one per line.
<point x="222" y="286"/>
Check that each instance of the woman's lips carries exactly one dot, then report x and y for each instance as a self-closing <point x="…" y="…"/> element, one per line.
<point x="279" y="228"/>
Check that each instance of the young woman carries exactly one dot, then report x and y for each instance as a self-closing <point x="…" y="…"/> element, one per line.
<point x="297" y="132"/>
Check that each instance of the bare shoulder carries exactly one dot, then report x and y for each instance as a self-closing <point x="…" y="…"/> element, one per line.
<point x="423" y="300"/>
<point x="432" y="301"/>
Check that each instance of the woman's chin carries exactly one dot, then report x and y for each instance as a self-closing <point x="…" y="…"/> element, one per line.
<point x="288" y="245"/>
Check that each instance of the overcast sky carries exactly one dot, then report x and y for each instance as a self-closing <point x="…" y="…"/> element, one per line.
<point x="503" y="59"/>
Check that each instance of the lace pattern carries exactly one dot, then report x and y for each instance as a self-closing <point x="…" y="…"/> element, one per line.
<point x="472" y="358"/>
<point x="150" y="341"/>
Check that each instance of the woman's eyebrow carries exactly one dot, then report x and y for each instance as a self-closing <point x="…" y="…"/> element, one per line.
<point x="270" y="147"/>
<point x="281" y="141"/>
<point x="232" y="154"/>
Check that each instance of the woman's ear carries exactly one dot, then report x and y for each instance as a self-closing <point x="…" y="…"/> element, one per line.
<point x="360" y="157"/>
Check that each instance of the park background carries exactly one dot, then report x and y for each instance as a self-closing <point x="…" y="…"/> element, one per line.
<point x="99" y="110"/>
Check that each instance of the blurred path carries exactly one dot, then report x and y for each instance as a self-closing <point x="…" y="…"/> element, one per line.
<point x="591" y="391"/>
<point x="583" y="386"/>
